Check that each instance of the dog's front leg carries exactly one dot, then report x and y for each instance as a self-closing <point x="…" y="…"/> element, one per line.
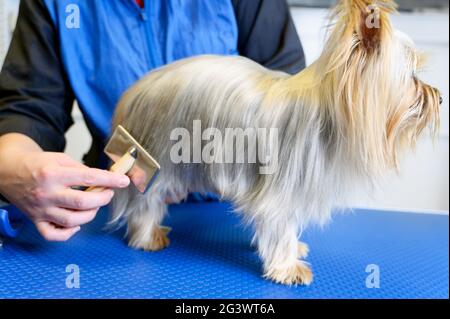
<point x="280" y="251"/>
<point x="144" y="229"/>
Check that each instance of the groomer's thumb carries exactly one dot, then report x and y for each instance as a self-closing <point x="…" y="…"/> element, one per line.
<point x="52" y="233"/>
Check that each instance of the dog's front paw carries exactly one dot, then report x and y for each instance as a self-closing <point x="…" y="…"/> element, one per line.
<point x="296" y="274"/>
<point x="158" y="240"/>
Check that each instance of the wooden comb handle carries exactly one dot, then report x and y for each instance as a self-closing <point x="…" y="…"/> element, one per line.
<point x="122" y="166"/>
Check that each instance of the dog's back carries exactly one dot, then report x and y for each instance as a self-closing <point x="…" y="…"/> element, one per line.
<point x="214" y="90"/>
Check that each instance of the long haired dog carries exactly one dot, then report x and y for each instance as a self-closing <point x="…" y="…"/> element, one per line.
<point x="341" y="124"/>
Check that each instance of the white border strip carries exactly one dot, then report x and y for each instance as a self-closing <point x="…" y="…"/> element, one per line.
<point x="399" y="210"/>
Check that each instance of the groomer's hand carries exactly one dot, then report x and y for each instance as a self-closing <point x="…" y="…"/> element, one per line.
<point x="40" y="185"/>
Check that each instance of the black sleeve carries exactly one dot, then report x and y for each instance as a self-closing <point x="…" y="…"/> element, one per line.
<point x="267" y="34"/>
<point x="35" y="97"/>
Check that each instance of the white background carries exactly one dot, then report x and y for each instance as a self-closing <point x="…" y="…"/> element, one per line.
<point x="423" y="180"/>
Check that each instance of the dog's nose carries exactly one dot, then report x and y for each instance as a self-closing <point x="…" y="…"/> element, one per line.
<point x="441" y="100"/>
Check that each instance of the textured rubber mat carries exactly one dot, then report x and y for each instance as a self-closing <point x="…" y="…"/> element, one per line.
<point x="210" y="257"/>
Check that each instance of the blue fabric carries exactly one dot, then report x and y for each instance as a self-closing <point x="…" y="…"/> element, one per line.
<point x="210" y="256"/>
<point x="117" y="42"/>
<point x="199" y="197"/>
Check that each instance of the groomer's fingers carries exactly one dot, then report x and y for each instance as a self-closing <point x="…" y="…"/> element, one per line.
<point x="74" y="176"/>
<point x="81" y="201"/>
<point x="51" y="232"/>
<point x="69" y="219"/>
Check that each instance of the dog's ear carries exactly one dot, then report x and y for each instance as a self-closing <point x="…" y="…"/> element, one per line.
<point x="369" y="20"/>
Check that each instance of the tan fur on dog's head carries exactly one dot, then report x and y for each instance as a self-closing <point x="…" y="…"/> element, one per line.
<point x="370" y="84"/>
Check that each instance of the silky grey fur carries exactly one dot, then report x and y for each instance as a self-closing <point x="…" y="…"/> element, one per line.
<point x="233" y="92"/>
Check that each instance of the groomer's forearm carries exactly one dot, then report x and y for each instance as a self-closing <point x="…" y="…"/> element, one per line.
<point x="16" y="143"/>
<point x="13" y="147"/>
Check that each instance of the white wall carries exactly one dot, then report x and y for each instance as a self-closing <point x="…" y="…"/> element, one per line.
<point x="8" y="17"/>
<point x="423" y="180"/>
<point x="78" y="138"/>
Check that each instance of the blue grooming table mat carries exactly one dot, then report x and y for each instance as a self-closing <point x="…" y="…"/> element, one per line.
<point x="210" y="257"/>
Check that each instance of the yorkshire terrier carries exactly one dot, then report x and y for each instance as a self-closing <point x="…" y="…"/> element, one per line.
<point x="341" y="124"/>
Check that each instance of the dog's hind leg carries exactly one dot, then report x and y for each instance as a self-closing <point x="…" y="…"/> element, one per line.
<point x="280" y="251"/>
<point x="144" y="229"/>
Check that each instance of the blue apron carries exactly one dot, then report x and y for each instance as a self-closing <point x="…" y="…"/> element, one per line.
<point x="107" y="45"/>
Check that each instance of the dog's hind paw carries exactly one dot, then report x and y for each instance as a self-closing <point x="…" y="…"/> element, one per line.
<point x="158" y="240"/>
<point x="297" y="274"/>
